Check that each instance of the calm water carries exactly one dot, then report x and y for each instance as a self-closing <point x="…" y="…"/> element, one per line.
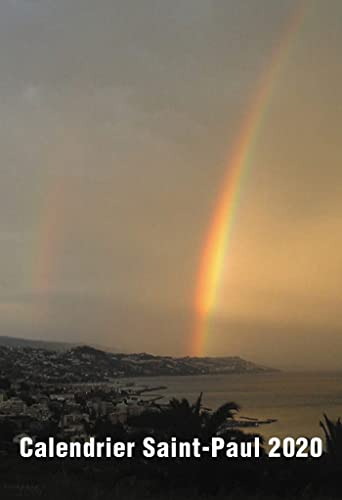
<point x="296" y="400"/>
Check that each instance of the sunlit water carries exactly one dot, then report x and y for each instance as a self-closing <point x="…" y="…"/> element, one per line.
<point x="296" y="400"/>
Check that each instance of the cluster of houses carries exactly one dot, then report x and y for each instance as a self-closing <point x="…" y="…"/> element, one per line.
<point x="70" y="410"/>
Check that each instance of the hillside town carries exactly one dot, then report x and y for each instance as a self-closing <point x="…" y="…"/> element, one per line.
<point x="68" y="411"/>
<point x="82" y="364"/>
<point x="75" y="393"/>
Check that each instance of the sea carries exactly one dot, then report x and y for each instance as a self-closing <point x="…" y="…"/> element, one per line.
<point x="296" y="400"/>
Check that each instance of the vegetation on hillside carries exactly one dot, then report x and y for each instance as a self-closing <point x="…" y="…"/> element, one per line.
<point x="261" y="478"/>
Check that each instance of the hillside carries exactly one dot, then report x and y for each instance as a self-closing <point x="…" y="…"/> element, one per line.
<point x="36" y="344"/>
<point x="87" y="364"/>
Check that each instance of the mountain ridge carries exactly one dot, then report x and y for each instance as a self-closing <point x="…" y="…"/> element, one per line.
<point x="83" y="363"/>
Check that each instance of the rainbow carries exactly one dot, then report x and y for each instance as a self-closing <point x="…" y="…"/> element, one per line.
<point x="49" y="244"/>
<point x="50" y="235"/>
<point x="217" y="241"/>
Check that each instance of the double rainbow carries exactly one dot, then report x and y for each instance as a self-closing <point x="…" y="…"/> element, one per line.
<point x="217" y="241"/>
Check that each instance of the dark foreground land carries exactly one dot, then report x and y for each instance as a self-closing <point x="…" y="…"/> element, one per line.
<point x="49" y="394"/>
<point x="102" y="483"/>
<point x="261" y="478"/>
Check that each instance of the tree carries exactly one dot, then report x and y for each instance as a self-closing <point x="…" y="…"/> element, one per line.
<point x="333" y="438"/>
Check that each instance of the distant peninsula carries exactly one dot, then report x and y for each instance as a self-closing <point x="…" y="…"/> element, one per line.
<point x="41" y="361"/>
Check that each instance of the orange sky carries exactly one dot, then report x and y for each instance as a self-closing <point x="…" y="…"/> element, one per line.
<point x="135" y="111"/>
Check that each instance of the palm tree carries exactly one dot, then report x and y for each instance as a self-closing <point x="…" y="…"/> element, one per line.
<point x="214" y="422"/>
<point x="333" y="437"/>
<point x="186" y="420"/>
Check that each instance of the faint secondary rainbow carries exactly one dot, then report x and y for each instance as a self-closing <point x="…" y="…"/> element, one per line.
<point x="216" y="247"/>
<point x="49" y="243"/>
<point x="50" y="235"/>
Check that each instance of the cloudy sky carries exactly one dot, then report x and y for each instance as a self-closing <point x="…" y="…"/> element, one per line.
<point x="118" y="118"/>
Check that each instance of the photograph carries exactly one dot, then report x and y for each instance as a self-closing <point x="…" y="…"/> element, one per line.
<point x="171" y="249"/>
